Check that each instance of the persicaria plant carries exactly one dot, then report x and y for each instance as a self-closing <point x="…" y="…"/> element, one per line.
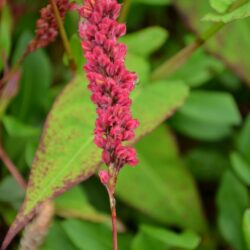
<point x="76" y="77"/>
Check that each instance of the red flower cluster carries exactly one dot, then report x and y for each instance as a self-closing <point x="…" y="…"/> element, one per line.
<point x="46" y="26"/>
<point x="109" y="80"/>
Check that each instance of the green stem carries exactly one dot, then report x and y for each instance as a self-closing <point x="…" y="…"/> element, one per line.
<point x="175" y="62"/>
<point x="64" y="37"/>
<point x="125" y="11"/>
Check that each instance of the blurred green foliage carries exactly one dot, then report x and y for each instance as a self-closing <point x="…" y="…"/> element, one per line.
<point x="191" y="188"/>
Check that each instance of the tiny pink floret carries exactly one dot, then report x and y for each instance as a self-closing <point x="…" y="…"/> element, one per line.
<point x="109" y="80"/>
<point x="104" y="177"/>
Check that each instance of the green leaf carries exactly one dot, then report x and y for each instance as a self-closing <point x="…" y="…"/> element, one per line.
<point x="184" y="240"/>
<point x="146" y="41"/>
<point x="74" y="204"/>
<point x="5" y="34"/>
<point x="243" y="142"/>
<point x="240" y="167"/>
<point x="246" y="227"/>
<point x="239" y="13"/>
<point x="77" y="52"/>
<point x="221" y="5"/>
<point x="232" y="200"/>
<point x="212" y="107"/>
<point x="204" y="66"/>
<point x="67" y="154"/>
<point x="31" y="98"/>
<point x="198" y="129"/>
<point x="223" y="43"/>
<point x="57" y="239"/>
<point x="139" y="65"/>
<point x="160" y="176"/>
<point x="10" y="192"/>
<point x="207" y="164"/>
<point x="16" y="128"/>
<point x="21" y="45"/>
<point x="207" y="115"/>
<point x="145" y="242"/>
<point x="86" y="236"/>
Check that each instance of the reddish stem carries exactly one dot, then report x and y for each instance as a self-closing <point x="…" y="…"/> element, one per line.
<point x="11" y="167"/>
<point x="113" y="212"/>
<point x="13" y="70"/>
<point x="111" y="190"/>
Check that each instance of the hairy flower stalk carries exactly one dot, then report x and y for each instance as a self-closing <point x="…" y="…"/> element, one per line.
<point x="110" y="83"/>
<point x="46" y="25"/>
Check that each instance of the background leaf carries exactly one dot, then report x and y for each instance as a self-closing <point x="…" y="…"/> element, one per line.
<point x="162" y="171"/>
<point x="168" y="239"/>
<point x="75" y="204"/>
<point x="246" y="227"/>
<point x="207" y="115"/>
<point x="5" y="34"/>
<point x="243" y="142"/>
<point x="33" y="97"/>
<point x="239" y="13"/>
<point x="57" y="239"/>
<point x="206" y="164"/>
<point x="86" y="236"/>
<point x="139" y="65"/>
<point x="204" y="66"/>
<point x="221" y="5"/>
<point x="14" y="127"/>
<point x="231" y="210"/>
<point x="241" y="167"/>
<point x="146" y="41"/>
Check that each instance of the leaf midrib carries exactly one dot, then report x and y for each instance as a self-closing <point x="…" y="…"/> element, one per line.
<point x="60" y="173"/>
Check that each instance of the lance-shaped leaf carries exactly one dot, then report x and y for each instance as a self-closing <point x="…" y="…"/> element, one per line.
<point x="221" y="5"/>
<point x="239" y="13"/>
<point x="67" y="154"/>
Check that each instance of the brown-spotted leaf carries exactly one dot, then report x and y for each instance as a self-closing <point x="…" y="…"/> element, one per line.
<point x="67" y="154"/>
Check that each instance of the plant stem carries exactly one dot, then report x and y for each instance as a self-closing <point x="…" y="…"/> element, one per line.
<point x="114" y="222"/>
<point x="125" y="11"/>
<point x="111" y="191"/>
<point x="183" y="55"/>
<point x="12" y="168"/>
<point x="64" y="37"/>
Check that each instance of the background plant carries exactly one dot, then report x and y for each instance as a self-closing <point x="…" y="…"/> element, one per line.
<point x="190" y="190"/>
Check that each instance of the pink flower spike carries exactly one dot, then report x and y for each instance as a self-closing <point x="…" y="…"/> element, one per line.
<point x="46" y="25"/>
<point x="109" y="81"/>
<point x="104" y="177"/>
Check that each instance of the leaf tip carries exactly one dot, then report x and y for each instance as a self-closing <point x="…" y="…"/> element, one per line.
<point x="20" y="221"/>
